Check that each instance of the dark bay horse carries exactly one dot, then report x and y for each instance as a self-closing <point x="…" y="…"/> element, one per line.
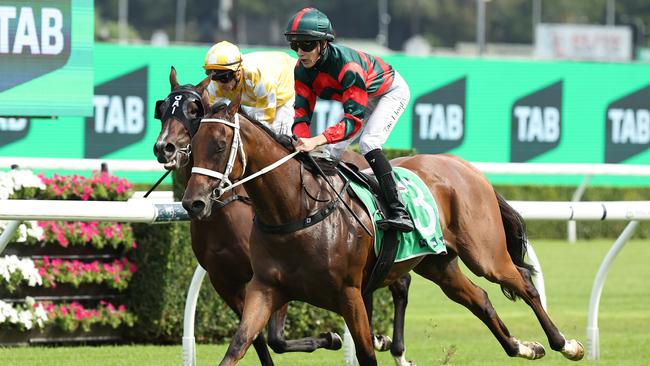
<point x="221" y="242"/>
<point x="327" y="264"/>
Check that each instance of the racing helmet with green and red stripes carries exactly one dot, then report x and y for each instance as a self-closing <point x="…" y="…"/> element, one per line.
<point x="309" y="24"/>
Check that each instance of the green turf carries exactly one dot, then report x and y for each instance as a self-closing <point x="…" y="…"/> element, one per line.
<point x="440" y="332"/>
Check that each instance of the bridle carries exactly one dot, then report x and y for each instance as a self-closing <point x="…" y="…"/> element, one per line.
<point x="237" y="145"/>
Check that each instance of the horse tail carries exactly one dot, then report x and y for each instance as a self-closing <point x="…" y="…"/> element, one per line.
<point x="516" y="240"/>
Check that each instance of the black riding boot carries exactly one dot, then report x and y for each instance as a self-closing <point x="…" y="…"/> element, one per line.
<point x="397" y="217"/>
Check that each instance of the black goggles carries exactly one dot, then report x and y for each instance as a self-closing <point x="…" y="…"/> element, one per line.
<point x="221" y="76"/>
<point x="306" y="46"/>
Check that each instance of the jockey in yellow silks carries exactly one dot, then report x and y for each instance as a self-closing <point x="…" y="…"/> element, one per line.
<point x="264" y="79"/>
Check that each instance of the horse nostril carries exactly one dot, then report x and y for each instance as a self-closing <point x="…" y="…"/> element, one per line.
<point x="198" y="206"/>
<point x="194" y="207"/>
<point x="170" y="148"/>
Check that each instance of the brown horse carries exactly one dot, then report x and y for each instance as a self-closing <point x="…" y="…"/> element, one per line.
<point x="221" y="242"/>
<point x="328" y="263"/>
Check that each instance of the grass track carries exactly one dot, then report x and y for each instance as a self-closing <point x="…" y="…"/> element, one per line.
<point x="440" y="332"/>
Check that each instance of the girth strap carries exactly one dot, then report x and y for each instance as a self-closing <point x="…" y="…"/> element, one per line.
<point x="308" y="221"/>
<point x="385" y="260"/>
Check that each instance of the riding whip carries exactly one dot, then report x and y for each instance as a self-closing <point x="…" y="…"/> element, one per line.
<point x="157" y="183"/>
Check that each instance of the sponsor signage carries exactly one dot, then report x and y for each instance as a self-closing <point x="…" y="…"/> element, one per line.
<point x="120" y="114"/>
<point x="13" y="129"/>
<point x="583" y="42"/>
<point x="536" y="123"/>
<point x="46" y="56"/>
<point x="34" y="39"/>
<point x="482" y="110"/>
<point x="438" y="118"/>
<point x="627" y="126"/>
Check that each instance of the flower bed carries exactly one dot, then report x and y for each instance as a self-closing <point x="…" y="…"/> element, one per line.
<point x="92" y="264"/>
<point x="68" y="316"/>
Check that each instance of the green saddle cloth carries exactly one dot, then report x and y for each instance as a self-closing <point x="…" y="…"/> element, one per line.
<point x="427" y="236"/>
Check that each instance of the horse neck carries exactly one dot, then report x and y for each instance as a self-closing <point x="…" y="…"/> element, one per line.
<point x="276" y="195"/>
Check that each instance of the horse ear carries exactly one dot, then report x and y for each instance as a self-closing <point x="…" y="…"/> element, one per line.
<point x="200" y="87"/>
<point x="172" y="78"/>
<point x="233" y="107"/>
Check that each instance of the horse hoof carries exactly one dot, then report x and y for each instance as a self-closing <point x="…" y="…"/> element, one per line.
<point x="402" y="361"/>
<point x="382" y="343"/>
<point x="333" y="339"/>
<point x="573" y="350"/>
<point x="531" y="350"/>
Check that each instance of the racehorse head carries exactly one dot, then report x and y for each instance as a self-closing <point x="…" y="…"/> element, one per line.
<point x="180" y="114"/>
<point x="217" y="146"/>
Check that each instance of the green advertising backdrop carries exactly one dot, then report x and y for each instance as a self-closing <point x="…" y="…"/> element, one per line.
<point x="483" y="110"/>
<point x="46" y="58"/>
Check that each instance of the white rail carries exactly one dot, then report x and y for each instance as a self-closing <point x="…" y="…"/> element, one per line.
<point x="151" y="212"/>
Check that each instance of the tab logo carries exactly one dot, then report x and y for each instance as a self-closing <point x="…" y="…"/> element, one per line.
<point x="438" y="122"/>
<point x="326" y="113"/>
<point x="13" y="129"/>
<point x="627" y="126"/>
<point x="34" y="40"/>
<point x="536" y="123"/>
<point x="120" y="114"/>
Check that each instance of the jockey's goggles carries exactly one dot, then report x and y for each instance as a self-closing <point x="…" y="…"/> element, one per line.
<point x="221" y="76"/>
<point x="306" y="46"/>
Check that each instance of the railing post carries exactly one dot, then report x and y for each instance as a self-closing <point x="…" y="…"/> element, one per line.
<point x="189" y="346"/>
<point x="593" y="341"/>
<point x="577" y="195"/>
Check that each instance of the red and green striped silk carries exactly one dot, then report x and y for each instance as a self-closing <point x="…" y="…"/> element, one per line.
<point x="345" y="75"/>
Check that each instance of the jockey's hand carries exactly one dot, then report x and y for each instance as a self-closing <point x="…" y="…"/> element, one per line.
<point x="308" y="144"/>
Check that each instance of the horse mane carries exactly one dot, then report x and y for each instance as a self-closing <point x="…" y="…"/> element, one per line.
<point x="284" y="140"/>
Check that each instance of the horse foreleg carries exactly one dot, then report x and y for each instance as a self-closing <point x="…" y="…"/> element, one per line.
<point x="234" y="298"/>
<point x="444" y="271"/>
<point x="400" y="291"/>
<point x="353" y="311"/>
<point x="279" y="344"/>
<point x="259" y="303"/>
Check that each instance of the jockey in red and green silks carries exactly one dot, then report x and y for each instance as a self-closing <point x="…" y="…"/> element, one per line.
<point x="372" y="93"/>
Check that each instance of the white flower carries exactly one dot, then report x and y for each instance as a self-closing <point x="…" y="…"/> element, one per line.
<point x="10" y="264"/>
<point x="41" y="315"/>
<point x="23" y="315"/>
<point x="25" y="318"/>
<point x="17" y="179"/>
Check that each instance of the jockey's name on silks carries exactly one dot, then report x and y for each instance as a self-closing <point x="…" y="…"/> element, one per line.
<point x="427" y="236"/>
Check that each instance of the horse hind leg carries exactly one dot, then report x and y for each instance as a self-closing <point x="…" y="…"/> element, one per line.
<point x="278" y="343"/>
<point x="522" y="285"/>
<point x="514" y="276"/>
<point x="444" y="271"/>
